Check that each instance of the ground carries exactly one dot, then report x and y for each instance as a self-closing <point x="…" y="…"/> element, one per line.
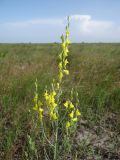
<point x="94" y="73"/>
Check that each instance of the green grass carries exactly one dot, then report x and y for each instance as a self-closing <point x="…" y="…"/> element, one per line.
<point x="94" y="73"/>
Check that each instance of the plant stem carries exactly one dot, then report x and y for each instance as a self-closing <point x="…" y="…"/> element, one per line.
<point x="56" y="141"/>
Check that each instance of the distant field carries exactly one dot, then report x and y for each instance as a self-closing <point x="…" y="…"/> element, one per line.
<point x="94" y="73"/>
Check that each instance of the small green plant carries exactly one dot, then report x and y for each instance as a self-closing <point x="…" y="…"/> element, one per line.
<point x="32" y="147"/>
<point x="63" y="115"/>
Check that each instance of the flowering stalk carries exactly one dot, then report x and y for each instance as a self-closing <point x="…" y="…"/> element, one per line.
<point x="38" y="104"/>
<point x="73" y="113"/>
<point x="64" y="54"/>
<point x="57" y="119"/>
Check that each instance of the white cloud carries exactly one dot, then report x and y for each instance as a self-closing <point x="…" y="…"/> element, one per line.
<point x="81" y="17"/>
<point x="83" y="28"/>
<point x="34" y="30"/>
<point x="86" y="28"/>
<point x="32" y="22"/>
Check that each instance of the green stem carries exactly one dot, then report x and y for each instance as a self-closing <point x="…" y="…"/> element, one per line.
<point x="56" y="141"/>
<point x="44" y="136"/>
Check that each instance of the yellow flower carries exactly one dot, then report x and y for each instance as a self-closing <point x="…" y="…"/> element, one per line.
<point x="51" y="99"/>
<point x="66" y="104"/>
<point x="71" y="105"/>
<point x="35" y="107"/>
<point x="68" y="41"/>
<point x="53" y="93"/>
<point x="55" y="116"/>
<point x="40" y="110"/>
<point x="66" y="62"/>
<point x="67" y="32"/>
<point x="46" y="95"/>
<point x="54" y="105"/>
<point x="71" y="114"/>
<point x="51" y="114"/>
<point x="66" y="50"/>
<point x="78" y="113"/>
<point x="63" y="45"/>
<point x="75" y="119"/>
<point x="66" y="71"/>
<point x="40" y="103"/>
<point x="68" y="124"/>
<point x="60" y="65"/>
<point x="60" y="75"/>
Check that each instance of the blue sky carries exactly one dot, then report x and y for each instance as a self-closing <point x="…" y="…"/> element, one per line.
<point x="44" y="20"/>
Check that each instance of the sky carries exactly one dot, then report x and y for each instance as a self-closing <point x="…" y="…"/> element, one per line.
<point x="43" y="21"/>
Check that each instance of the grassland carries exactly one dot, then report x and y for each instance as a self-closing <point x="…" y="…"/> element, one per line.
<point x="94" y="73"/>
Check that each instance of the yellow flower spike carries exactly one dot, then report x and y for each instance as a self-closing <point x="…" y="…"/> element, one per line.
<point x="77" y="113"/>
<point x="64" y="53"/>
<point x="66" y="104"/>
<point x="71" y="114"/>
<point x="66" y="72"/>
<point x="71" y="105"/>
<point x="68" y="124"/>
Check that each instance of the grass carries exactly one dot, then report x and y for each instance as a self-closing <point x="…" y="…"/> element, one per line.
<point x="94" y="73"/>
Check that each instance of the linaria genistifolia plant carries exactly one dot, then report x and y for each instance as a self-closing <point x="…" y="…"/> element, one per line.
<point x="62" y="115"/>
